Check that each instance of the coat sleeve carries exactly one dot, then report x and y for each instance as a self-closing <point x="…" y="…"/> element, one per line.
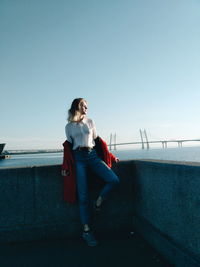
<point x="112" y="157"/>
<point x="108" y="157"/>
<point x="68" y="160"/>
<point x="70" y="180"/>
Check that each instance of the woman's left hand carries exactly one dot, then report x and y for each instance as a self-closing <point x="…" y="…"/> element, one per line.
<point x="116" y="160"/>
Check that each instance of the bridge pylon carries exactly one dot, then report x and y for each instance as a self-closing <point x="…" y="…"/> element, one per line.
<point x="113" y="141"/>
<point x="143" y="135"/>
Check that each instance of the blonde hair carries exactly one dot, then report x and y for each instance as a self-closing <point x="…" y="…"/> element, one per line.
<point x="74" y="113"/>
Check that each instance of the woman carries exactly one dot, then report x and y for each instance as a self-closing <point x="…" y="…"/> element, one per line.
<point x="79" y="155"/>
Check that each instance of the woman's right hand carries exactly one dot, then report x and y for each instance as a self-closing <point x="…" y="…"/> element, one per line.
<point x="65" y="173"/>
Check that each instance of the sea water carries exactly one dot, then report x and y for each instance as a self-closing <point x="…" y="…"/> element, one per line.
<point x="191" y="154"/>
<point x="186" y="154"/>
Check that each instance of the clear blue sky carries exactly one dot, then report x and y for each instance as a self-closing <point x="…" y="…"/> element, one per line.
<point x="137" y="62"/>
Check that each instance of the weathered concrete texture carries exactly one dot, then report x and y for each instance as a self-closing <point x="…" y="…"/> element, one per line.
<point x="160" y="199"/>
<point x="167" y="202"/>
<point x="32" y="206"/>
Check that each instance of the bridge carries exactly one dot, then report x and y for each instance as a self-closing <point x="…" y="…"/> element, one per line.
<point x="147" y="143"/>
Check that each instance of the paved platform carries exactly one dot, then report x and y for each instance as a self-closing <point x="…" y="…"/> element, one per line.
<point x="124" y="251"/>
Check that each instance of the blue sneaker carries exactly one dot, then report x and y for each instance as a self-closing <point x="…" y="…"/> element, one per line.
<point x="89" y="239"/>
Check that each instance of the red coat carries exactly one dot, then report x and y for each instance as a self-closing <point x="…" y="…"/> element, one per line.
<point x="68" y="165"/>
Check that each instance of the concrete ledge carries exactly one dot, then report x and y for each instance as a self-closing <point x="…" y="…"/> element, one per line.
<point x="32" y="206"/>
<point x="160" y="199"/>
<point x="166" y="247"/>
<point x="166" y="208"/>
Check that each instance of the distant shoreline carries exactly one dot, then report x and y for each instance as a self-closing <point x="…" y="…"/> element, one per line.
<point x="22" y="152"/>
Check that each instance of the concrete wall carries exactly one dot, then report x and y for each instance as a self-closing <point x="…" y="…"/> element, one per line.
<point x="167" y="208"/>
<point x="159" y="199"/>
<point x="32" y="206"/>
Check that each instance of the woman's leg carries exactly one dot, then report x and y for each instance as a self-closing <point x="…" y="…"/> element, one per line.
<point x="102" y="170"/>
<point x="82" y="190"/>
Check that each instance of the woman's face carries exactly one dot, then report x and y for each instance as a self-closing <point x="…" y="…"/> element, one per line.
<point x="83" y="108"/>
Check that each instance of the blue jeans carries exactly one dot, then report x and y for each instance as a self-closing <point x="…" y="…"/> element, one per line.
<point x="83" y="161"/>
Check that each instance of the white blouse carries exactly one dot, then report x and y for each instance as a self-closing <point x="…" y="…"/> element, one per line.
<point x="81" y="133"/>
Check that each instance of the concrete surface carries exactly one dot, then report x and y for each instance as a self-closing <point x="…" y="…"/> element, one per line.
<point x="32" y="206"/>
<point x="166" y="208"/>
<point x="159" y="199"/>
<point x="115" y="251"/>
